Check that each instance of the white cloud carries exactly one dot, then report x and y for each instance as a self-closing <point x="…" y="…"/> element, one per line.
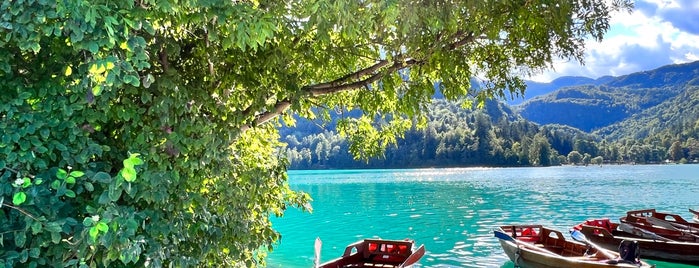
<point x="656" y="33"/>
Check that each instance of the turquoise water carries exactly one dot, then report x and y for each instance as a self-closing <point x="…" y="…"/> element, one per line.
<point x="453" y="211"/>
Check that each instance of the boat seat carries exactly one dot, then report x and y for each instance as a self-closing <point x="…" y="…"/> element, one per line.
<point x="387" y="252"/>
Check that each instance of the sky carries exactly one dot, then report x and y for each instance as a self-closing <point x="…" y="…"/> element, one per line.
<point x="654" y="34"/>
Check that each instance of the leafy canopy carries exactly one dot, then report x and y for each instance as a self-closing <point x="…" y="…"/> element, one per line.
<point x="135" y="132"/>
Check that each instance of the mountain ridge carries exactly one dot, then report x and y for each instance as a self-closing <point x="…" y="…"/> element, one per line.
<point x="591" y="107"/>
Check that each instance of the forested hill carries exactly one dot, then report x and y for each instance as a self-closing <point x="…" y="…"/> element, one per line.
<point x="645" y="117"/>
<point x="539" y="88"/>
<point x="593" y="107"/>
<point x="493" y="136"/>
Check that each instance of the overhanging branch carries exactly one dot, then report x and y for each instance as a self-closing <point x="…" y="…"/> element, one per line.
<point x="357" y="79"/>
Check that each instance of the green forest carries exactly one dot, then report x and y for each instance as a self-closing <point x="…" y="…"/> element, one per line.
<point x="663" y="127"/>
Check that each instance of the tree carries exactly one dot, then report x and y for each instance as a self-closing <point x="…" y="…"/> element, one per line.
<point x="142" y="133"/>
<point x="574" y="157"/>
<point x="597" y="160"/>
<point x="675" y="152"/>
<point x="540" y="151"/>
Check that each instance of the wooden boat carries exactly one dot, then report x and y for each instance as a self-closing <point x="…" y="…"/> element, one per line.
<point x="667" y="225"/>
<point x="376" y="253"/>
<point x="541" y="247"/>
<point x="609" y="235"/>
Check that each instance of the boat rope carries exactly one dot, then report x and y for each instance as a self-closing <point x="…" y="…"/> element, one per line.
<point x="517" y="257"/>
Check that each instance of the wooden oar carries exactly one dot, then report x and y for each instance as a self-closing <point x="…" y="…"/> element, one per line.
<point x="685" y="230"/>
<point x="413" y="258"/>
<point x="696" y="213"/>
<point x="507" y="237"/>
<point x="317" y="247"/>
<point x="685" y="226"/>
<point x="577" y="235"/>
<point x="628" y="228"/>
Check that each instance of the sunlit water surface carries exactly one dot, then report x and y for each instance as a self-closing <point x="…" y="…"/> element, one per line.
<point x="453" y="211"/>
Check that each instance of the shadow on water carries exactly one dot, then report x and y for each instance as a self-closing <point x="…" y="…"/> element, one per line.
<point x="453" y="211"/>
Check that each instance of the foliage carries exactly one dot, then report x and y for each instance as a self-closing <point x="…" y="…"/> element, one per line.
<point x="184" y="90"/>
<point x="454" y="136"/>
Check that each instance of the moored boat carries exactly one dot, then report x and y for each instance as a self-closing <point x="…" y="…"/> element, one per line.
<point x="609" y="235"/>
<point x="376" y="253"/>
<point x="536" y="246"/>
<point x="671" y="226"/>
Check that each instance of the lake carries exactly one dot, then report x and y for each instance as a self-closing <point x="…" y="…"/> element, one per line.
<point x="453" y="211"/>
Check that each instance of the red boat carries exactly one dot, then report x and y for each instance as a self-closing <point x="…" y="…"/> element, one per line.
<point x="376" y="253"/>
<point x="609" y="235"/>
<point x="535" y="246"/>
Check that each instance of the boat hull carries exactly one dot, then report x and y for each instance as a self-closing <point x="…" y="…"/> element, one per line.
<point x="549" y="249"/>
<point x="671" y="251"/>
<point x="530" y="259"/>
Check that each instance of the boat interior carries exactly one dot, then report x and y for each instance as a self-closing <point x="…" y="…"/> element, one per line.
<point x="548" y="239"/>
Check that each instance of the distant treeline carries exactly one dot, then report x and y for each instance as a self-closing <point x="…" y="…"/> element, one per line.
<point x="493" y="136"/>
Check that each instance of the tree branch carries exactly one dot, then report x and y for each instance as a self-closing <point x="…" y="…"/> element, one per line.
<point x="20" y="210"/>
<point x="358" y="79"/>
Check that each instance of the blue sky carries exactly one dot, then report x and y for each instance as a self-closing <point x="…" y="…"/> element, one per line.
<point x="655" y="33"/>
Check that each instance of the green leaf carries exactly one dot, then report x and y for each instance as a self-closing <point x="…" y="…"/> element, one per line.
<point x="34" y="252"/>
<point x="70" y="180"/>
<point x="129" y="174"/>
<point x="88" y="186"/>
<point x="55" y="184"/>
<point x="132" y="79"/>
<point x="27" y="182"/>
<point x="102" y="177"/>
<point x="97" y="90"/>
<point x="44" y="133"/>
<point x="36" y="227"/>
<point x="61" y="174"/>
<point x="133" y="160"/>
<point x="93" y="232"/>
<point x="70" y="193"/>
<point x="20" y="239"/>
<point x="77" y="173"/>
<point x="113" y="194"/>
<point x="88" y="222"/>
<point x="19" y="198"/>
<point x="55" y="237"/>
<point x="53" y="227"/>
<point x="102" y="227"/>
<point x="104" y="198"/>
<point x="148" y="80"/>
<point x="93" y="47"/>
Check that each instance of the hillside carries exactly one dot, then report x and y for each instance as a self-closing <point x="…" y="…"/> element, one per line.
<point x="593" y="107"/>
<point x="539" y="88"/>
<point x="676" y="117"/>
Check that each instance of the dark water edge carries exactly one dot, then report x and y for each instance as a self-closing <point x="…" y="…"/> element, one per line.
<point x="453" y="211"/>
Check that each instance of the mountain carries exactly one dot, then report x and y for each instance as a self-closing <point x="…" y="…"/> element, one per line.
<point x="538" y="88"/>
<point x="672" y="118"/>
<point x="612" y="101"/>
